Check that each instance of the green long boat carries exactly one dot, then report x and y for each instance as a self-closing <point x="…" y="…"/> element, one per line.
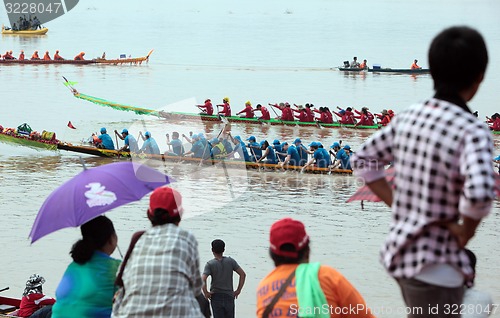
<point x="212" y="118"/>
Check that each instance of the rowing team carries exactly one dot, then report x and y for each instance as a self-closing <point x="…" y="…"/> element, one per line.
<point x="8" y="56"/>
<point x="229" y="147"/>
<point x="349" y="116"/>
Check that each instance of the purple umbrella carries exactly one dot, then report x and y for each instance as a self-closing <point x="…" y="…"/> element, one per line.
<point x="93" y="192"/>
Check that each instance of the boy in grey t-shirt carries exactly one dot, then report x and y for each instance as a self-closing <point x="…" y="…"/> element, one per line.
<point x="221" y="293"/>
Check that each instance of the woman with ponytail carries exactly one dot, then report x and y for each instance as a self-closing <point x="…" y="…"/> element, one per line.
<point x="87" y="287"/>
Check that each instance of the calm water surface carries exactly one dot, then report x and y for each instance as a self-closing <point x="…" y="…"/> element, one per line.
<point x="259" y="51"/>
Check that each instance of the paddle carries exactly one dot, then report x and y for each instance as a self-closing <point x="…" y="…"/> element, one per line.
<point x="4" y="289"/>
<point x="278" y="117"/>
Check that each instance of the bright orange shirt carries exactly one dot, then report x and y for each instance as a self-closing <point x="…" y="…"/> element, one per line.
<point x="343" y="299"/>
<point x="414" y="66"/>
<point x="46" y="57"/>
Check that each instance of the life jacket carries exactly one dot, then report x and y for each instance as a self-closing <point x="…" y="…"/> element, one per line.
<point x="222" y="151"/>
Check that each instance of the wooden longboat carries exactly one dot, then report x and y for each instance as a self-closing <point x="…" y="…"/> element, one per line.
<point x="99" y="61"/>
<point x="90" y="150"/>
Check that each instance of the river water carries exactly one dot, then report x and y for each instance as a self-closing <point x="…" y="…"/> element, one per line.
<point x="259" y="51"/>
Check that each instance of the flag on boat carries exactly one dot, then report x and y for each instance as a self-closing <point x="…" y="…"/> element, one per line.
<point x="70" y="125"/>
<point x="69" y="83"/>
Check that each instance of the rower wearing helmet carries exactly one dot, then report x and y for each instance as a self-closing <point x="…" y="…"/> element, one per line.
<point x="248" y="110"/>
<point x="149" y="146"/>
<point x="130" y="143"/>
<point x="226" y="107"/>
<point x="207" y="108"/>
<point x="105" y="141"/>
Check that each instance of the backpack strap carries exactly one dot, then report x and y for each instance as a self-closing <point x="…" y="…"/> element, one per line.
<point x="277" y="297"/>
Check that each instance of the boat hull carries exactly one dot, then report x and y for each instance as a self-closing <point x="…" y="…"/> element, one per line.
<point x="348" y="69"/>
<point x="25" y="32"/>
<point x="400" y="70"/>
<point x="236" y="119"/>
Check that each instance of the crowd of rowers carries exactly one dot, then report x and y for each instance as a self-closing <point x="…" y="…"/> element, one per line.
<point x="9" y="56"/>
<point x="348" y="116"/>
<point x="225" y="146"/>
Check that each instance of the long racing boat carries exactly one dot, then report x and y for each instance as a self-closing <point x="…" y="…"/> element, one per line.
<point x="55" y="144"/>
<point x="203" y="117"/>
<point x="99" y="61"/>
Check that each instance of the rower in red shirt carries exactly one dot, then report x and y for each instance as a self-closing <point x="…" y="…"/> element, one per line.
<point x="365" y="117"/>
<point x="57" y="57"/>
<point x="248" y="110"/>
<point x="207" y="108"/>
<point x="226" y="108"/>
<point x="46" y="57"/>
<point x="263" y="110"/>
<point x="346" y="116"/>
<point x="286" y="111"/>
<point x="35" y="56"/>
<point x="384" y="118"/>
<point x="21" y="56"/>
<point x="302" y="114"/>
<point x="80" y="57"/>
<point x="309" y="112"/>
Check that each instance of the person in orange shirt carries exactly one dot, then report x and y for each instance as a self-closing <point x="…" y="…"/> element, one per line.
<point x="321" y="288"/>
<point x="363" y="65"/>
<point x="21" y="56"/>
<point x="80" y="57"/>
<point x="46" y="57"/>
<point x="35" y="56"/>
<point x="415" y="66"/>
<point x="57" y="57"/>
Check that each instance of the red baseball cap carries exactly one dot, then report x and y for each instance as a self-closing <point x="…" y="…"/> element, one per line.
<point x="168" y="199"/>
<point x="288" y="231"/>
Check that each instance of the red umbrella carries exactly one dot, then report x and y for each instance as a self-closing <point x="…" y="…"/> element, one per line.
<point x="365" y="194"/>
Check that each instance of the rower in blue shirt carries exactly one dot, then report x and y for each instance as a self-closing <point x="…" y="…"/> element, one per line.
<point x="239" y="148"/>
<point x="129" y="141"/>
<point x="302" y="150"/>
<point x="255" y="148"/>
<point x="149" y="146"/>
<point x="320" y="159"/>
<point x="345" y="158"/>
<point x="176" y="144"/>
<point x="292" y="158"/>
<point x="105" y="140"/>
<point x="269" y="155"/>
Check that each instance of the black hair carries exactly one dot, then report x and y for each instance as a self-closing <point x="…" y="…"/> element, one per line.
<point x="348" y="109"/>
<point x="95" y="234"/>
<point x="280" y="260"/>
<point x="161" y="216"/>
<point x="265" y="145"/>
<point x="457" y="58"/>
<point x="218" y="246"/>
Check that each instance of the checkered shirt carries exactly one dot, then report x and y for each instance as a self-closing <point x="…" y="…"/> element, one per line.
<point x="442" y="158"/>
<point x="162" y="276"/>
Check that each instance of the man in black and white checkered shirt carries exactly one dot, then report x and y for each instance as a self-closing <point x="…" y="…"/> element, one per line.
<point x="444" y="179"/>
